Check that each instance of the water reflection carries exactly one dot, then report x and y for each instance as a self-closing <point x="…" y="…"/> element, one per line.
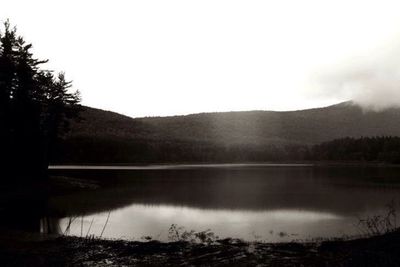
<point x="271" y="202"/>
<point x="137" y="221"/>
<point x="334" y="189"/>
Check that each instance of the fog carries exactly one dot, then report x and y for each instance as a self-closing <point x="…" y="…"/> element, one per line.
<point x="371" y="79"/>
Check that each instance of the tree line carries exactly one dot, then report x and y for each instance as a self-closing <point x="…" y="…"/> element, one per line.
<point x="87" y="150"/>
<point x="379" y="148"/>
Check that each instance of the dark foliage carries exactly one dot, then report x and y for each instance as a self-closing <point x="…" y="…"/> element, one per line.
<point x="382" y="149"/>
<point x="102" y="151"/>
<point x="34" y="108"/>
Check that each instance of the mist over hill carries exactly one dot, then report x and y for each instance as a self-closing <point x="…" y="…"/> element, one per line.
<point x="107" y="137"/>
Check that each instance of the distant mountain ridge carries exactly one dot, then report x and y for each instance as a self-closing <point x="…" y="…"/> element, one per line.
<point x="308" y="126"/>
<point x="232" y="131"/>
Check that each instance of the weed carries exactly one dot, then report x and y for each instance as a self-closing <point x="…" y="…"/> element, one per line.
<point x="379" y="224"/>
<point x="176" y="233"/>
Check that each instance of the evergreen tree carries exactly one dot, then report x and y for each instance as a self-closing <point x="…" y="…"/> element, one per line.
<point x="35" y="106"/>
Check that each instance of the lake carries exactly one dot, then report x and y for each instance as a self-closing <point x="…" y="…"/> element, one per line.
<point x="266" y="202"/>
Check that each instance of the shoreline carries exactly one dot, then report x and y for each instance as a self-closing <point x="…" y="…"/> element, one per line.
<point x="42" y="250"/>
<point x="167" y="165"/>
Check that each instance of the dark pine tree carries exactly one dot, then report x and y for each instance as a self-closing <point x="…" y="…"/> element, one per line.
<point x="35" y="106"/>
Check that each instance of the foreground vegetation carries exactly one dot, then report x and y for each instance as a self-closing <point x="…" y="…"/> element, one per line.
<point x="381" y="250"/>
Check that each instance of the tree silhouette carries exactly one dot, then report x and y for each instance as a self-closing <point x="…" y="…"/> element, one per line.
<point x="35" y="107"/>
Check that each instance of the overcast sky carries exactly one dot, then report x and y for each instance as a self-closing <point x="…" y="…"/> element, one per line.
<point x="148" y="58"/>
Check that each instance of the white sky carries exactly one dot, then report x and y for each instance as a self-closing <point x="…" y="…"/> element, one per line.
<point x="146" y="58"/>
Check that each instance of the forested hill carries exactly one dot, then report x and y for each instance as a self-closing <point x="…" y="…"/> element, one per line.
<point x="103" y="136"/>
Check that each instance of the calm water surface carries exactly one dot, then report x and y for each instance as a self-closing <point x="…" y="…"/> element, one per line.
<point x="267" y="202"/>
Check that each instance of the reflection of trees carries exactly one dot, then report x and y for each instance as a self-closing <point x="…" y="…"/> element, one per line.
<point x="49" y="225"/>
<point x="341" y="191"/>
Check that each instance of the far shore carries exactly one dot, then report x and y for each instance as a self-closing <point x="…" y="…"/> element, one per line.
<point x="166" y="165"/>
